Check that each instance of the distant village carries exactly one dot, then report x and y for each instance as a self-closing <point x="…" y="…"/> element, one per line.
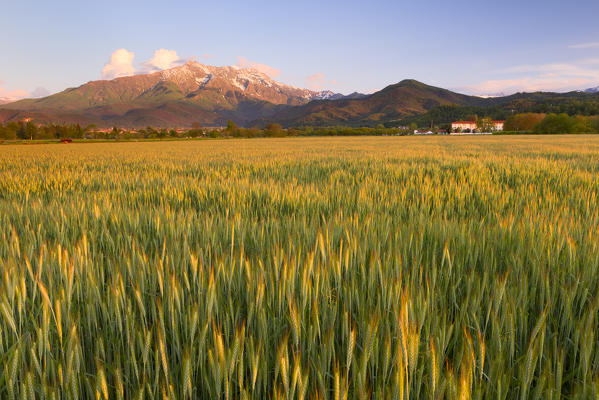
<point x="29" y="130"/>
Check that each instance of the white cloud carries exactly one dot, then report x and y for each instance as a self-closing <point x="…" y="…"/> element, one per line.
<point x="556" y="77"/>
<point x="12" y="95"/>
<point x="164" y="59"/>
<point x="578" y="68"/>
<point x="316" y="81"/>
<point x="590" y="45"/>
<point x="529" y="84"/>
<point x="243" y="62"/>
<point x="121" y="64"/>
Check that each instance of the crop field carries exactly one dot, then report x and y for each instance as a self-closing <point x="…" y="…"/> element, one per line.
<point x="306" y="268"/>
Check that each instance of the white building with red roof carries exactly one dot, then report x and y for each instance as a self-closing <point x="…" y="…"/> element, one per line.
<point x="498" y="125"/>
<point x="462" y="126"/>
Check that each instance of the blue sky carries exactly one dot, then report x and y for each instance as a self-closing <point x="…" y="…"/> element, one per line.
<point x="478" y="47"/>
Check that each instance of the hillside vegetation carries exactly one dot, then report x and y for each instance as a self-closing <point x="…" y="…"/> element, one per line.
<point x="406" y="98"/>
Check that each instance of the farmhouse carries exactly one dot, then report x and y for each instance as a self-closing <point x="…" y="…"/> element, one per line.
<point x="471" y="126"/>
<point x="498" y="125"/>
<point x="463" y="125"/>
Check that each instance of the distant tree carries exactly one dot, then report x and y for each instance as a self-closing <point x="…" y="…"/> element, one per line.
<point x="562" y="123"/>
<point x="582" y="124"/>
<point x="78" y="131"/>
<point x="58" y="131"/>
<point x="21" y="131"/>
<point x="252" y="132"/>
<point x="523" y="122"/>
<point x="45" y="132"/>
<point x="30" y="130"/>
<point x="232" y="129"/>
<point x="194" y="133"/>
<point x="10" y="131"/>
<point x="485" y="124"/>
<point x="231" y="126"/>
<point x="150" y="132"/>
<point x="273" y="130"/>
<point x="292" y="132"/>
<point x="594" y="122"/>
<point x="3" y="132"/>
<point x="555" y="123"/>
<point x="88" y="131"/>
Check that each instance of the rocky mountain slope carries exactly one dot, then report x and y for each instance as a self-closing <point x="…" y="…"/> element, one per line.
<point x="173" y="97"/>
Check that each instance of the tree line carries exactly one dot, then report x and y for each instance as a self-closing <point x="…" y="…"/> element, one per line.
<point x="551" y="123"/>
<point x="31" y="131"/>
<point x="522" y="123"/>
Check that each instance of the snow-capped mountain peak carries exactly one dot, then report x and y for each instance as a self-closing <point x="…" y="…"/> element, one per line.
<point x="327" y="95"/>
<point x="249" y="82"/>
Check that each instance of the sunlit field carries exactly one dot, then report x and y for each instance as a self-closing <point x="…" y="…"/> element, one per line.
<point x="308" y="268"/>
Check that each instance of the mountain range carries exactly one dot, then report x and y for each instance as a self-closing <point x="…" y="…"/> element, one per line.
<point x="174" y="97"/>
<point x="192" y="93"/>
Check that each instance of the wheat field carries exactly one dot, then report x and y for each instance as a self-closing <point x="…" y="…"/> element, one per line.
<point x="306" y="268"/>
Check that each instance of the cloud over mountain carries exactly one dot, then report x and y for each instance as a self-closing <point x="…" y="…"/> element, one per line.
<point x="164" y="59"/>
<point x="316" y="81"/>
<point x="12" y="95"/>
<point x="557" y="77"/>
<point x="121" y="64"/>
